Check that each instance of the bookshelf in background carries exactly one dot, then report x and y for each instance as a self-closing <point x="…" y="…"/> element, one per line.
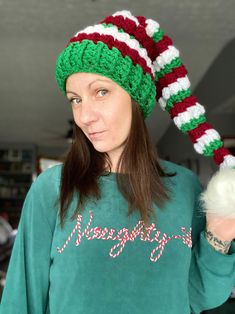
<point x="17" y="171"/>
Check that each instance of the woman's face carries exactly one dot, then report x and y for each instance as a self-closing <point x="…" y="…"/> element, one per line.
<point x="100" y="105"/>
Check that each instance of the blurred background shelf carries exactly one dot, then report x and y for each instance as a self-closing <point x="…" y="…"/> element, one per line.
<point x="17" y="172"/>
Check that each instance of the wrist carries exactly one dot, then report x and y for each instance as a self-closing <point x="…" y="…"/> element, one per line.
<point x="218" y="244"/>
<point x="221" y="228"/>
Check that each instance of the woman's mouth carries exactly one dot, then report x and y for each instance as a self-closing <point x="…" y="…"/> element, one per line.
<point x="96" y="135"/>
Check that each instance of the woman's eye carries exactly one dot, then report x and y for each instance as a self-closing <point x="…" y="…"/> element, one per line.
<point x="74" y="101"/>
<point x="103" y="90"/>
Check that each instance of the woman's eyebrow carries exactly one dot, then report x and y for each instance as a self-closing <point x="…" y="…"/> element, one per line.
<point x="67" y="92"/>
<point x="89" y="85"/>
<point x="98" y="80"/>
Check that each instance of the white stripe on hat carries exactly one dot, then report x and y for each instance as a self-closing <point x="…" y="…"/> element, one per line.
<point x="165" y="58"/>
<point x="122" y="37"/>
<point x="205" y="140"/>
<point x="229" y="161"/>
<point x="190" y="113"/>
<point x="126" y="13"/>
<point x="151" y="27"/>
<point x="181" y="84"/>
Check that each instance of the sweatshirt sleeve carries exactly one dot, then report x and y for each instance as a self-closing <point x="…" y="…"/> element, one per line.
<point x="212" y="274"/>
<point x="27" y="280"/>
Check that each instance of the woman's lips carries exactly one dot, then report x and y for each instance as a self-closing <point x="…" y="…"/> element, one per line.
<point x="96" y="135"/>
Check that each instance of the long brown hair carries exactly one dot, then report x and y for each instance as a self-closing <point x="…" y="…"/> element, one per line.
<point x="141" y="184"/>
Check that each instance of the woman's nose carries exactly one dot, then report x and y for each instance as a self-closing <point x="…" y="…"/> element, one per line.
<point x="87" y="113"/>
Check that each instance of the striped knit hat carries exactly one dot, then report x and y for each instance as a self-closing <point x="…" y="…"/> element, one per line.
<point x="134" y="52"/>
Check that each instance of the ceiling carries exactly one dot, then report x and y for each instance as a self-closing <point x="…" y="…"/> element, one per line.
<point x="32" y="33"/>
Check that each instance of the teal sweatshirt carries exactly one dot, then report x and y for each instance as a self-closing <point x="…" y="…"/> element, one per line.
<point x="101" y="262"/>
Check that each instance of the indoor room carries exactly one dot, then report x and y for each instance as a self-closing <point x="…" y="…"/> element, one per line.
<point x="105" y="107"/>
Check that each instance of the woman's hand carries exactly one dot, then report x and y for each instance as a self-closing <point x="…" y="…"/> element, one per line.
<point x="224" y="228"/>
<point x="220" y="232"/>
<point x="219" y="205"/>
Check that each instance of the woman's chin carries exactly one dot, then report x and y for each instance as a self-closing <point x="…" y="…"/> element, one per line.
<point x="101" y="147"/>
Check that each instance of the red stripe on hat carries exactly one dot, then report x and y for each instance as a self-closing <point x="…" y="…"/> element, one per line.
<point x="161" y="46"/>
<point x="181" y="106"/>
<point x="170" y="78"/>
<point x="158" y="47"/>
<point x="121" y="46"/>
<point x="155" y="48"/>
<point x="199" y="131"/>
<point x="121" y="21"/>
<point x="219" y="155"/>
<point x="142" y="20"/>
<point x="138" y="31"/>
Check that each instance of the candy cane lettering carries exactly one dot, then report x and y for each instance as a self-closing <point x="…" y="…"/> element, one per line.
<point x="124" y="235"/>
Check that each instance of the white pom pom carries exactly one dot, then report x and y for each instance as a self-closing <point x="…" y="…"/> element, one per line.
<point x="219" y="197"/>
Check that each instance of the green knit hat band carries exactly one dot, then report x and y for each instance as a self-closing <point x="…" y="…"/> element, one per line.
<point x="134" y="52"/>
<point x="98" y="58"/>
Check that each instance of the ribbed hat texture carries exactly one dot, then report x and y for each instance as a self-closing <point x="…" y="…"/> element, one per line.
<point x="134" y="52"/>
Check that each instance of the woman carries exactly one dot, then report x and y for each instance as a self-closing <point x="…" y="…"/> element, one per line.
<point x="128" y="234"/>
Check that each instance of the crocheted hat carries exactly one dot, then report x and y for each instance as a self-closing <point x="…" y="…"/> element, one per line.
<point x="134" y="52"/>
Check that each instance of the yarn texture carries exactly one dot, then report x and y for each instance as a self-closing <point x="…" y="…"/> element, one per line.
<point x="135" y="53"/>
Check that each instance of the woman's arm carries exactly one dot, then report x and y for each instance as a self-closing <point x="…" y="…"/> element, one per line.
<point x="212" y="273"/>
<point x="218" y="244"/>
<point x="27" y="281"/>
